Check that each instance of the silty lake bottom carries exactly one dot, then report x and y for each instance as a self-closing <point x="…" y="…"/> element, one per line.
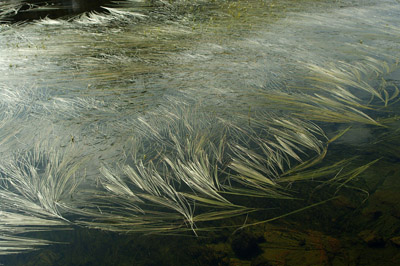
<point x="200" y="133"/>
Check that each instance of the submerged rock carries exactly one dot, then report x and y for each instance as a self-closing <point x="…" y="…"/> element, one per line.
<point x="260" y="261"/>
<point x="395" y="240"/>
<point x="208" y="256"/>
<point x="371" y="238"/>
<point x="245" y="245"/>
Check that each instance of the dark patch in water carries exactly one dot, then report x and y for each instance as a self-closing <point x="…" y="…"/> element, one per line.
<point x="245" y="245"/>
<point x="28" y="10"/>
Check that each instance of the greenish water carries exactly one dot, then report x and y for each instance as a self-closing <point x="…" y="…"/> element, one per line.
<point x="176" y="133"/>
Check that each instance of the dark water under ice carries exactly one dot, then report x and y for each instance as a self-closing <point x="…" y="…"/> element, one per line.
<point x="28" y="10"/>
<point x="85" y="82"/>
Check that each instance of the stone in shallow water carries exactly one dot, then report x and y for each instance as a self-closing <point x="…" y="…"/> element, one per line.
<point x="395" y="240"/>
<point x="260" y="261"/>
<point x="245" y="245"/>
<point x="371" y="238"/>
